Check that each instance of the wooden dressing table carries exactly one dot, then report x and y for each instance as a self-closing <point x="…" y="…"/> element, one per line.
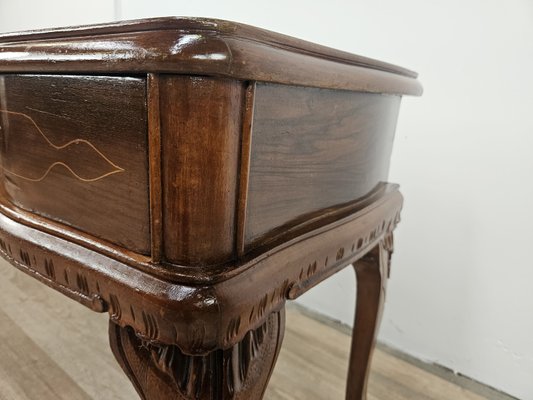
<point x="188" y="177"/>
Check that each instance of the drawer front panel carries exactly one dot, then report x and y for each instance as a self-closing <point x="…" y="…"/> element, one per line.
<point x="313" y="150"/>
<point x="74" y="150"/>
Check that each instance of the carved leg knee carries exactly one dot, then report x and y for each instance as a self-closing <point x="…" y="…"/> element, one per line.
<point x="161" y="372"/>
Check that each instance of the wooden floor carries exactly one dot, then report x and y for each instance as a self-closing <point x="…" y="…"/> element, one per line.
<point x="51" y="348"/>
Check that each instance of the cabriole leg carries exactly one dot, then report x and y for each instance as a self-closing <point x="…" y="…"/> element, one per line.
<point x="163" y="372"/>
<point x="372" y="272"/>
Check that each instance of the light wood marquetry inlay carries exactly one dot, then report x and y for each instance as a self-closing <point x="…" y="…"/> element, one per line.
<point x="40" y="135"/>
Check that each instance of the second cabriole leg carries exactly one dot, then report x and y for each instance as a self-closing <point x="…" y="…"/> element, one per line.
<point x="372" y="272"/>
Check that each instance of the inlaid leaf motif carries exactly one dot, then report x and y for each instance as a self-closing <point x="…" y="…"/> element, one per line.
<point x="79" y="157"/>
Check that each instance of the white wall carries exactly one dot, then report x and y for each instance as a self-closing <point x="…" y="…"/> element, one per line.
<point x="460" y="289"/>
<point x="18" y="15"/>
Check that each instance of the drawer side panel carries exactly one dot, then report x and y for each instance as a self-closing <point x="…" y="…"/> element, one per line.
<point x="314" y="150"/>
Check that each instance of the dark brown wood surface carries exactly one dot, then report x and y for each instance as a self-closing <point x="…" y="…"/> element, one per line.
<point x="200" y="46"/>
<point x="208" y="25"/>
<point x="372" y="272"/>
<point x="202" y="316"/>
<point x="313" y="149"/>
<point x="154" y="147"/>
<point x="200" y="320"/>
<point x="74" y="149"/>
<point x="163" y="372"/>
<point x="193" y="177"/>
<point x="200" y="127"/>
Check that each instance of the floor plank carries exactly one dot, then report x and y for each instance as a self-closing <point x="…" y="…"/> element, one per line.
<point x="35" y="374"/>
<point x="53" y="349"/>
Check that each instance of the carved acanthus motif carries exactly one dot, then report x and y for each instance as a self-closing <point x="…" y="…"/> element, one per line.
<point x="234" y="373"/>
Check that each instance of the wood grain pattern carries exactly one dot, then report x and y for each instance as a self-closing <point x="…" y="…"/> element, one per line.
<point x="190" y="194"/>
<point x="154" y="151"/>
<point x="372" y="275"/>
<point x="47" y="378"/>
<point x="74" y="149"/>
<point x="203" y="316"/>
<point x="200" y="46"/>
<point x="313" y="149"/>
<point x="201" y="126"/>
<point x="244" y="168"/>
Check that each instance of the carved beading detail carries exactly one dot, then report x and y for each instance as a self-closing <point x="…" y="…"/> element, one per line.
<point x="114" y="310"/>
<point x="311" y="275"/>
<point x="151" y="328"/>
<point x="156" y="320"/>
<point x="44" y="269"/>
<point x="50" y="269"/>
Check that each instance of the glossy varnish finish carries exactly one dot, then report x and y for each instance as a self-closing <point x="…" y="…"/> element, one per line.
<point x="200" y="128"/>
<point x="74" y="149"/>
<point x="154" y="147"/>
<point x="313" y="149"/>
<point x="246" y="168"/>
<point x="200" y="46"/>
